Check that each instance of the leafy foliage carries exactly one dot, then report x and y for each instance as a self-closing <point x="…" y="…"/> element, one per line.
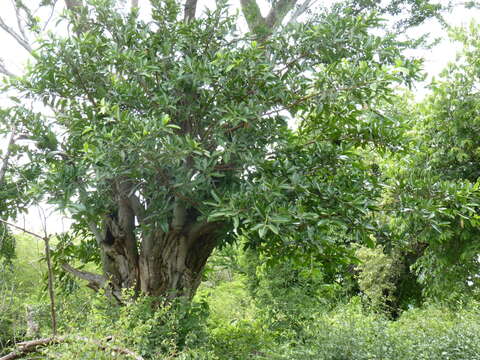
<point x="7" y="245"/>
<point x="435" y="193"/>
<point x="376" y="276"/>
<point x="296" y="144"/>
<point x="196" y="113"/>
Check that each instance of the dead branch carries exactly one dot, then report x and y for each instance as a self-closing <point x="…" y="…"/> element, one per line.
<point x="22" y="229"/>
<point x="18" y="37"/>
<point x="25" y="347"/>
<point x="51" y="292"/>
<point x="95" y="281"/>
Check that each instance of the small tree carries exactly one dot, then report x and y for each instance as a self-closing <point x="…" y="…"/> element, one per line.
<point x="435" y="193"/>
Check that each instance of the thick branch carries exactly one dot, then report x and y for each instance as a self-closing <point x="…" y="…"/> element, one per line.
<point x="252" y="14"/>
<point x="95" y="281"/>
<point x="25" y="347"/>
<point x="264" y="26"/>
<point x="199" y="229"/>
<point x="134" y="4"/>
<point x="95" y="231"/>
<point x="278" y="12"/>
<point x="190" y="9"/>
<point x="137" y="208"/>
<point x="74" y="5"/>
<point x="179" y="215"/>
<point x="126" y="217"/>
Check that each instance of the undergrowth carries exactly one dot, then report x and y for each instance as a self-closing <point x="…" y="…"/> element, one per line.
<point x="230" y="319"/>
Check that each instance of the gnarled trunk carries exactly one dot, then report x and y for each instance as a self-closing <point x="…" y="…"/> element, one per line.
<point x="136" y="255"/>
<point x="169" y="264"/>
<point x="173" y="262"/>
<point x="155" y="262"/>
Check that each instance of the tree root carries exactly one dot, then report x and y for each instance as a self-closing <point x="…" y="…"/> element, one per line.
<point x="25" y="347"/>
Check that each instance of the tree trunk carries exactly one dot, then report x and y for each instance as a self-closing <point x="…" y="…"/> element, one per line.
<point x="168" y="264"/>
<point x="172" y="266"/>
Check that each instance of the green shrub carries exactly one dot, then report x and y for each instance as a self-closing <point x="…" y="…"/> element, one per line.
<point x="376" y="276"/>
<point x="351" y="333"/>
<point x="19" y="288"/>
<point x="141" y="326"/>
<point x="234" y="332"/>
<point x="273" y="316"/>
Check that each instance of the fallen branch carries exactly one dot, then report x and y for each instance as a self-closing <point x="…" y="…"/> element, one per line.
<point x="25" y="347"/>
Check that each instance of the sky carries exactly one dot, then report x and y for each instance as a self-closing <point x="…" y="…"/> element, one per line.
<point x="16" y="57"/>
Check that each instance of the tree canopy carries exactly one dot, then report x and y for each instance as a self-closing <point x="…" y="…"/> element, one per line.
<point x="167" y="138"/>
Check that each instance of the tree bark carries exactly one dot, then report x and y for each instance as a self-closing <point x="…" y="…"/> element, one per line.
<point x="189" y="10"/>
<point x="169" y="264"/>
<point x="137" y="255"/>
<point x="172" y="263"/>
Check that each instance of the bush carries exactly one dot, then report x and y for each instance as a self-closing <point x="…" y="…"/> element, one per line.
<point x="286" y="315"/>
<point x="376" y="276"/>
<point x="350" y="333"/>
<point x="234" y="329"/>
<point x="19" y="289"/>
<point x="140" y="325"/>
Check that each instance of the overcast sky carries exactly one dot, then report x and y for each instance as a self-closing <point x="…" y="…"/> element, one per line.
<point x="435" y="60"/>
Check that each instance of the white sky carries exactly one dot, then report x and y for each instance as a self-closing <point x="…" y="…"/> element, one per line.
<point x="15" y="58"/>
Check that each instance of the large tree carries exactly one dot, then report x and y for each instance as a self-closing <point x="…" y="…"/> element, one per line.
<point x="167" y="138"/>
